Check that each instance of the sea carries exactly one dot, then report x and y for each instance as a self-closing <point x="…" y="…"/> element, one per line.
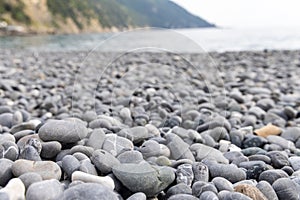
<point x="156" y="39"/>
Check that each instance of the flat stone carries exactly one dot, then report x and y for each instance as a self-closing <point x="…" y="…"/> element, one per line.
<point x="89" y="178"/>
<point x="268" y="130"/>
<point x="144" y="177"/>
<point x="62" y="131"/>
<point x="135" y="134"/>
<point x="230" y="172"/>
<point x="178" y="148"/>
<point x="291" y="133"/>
<point x="91" y="191"/>
<point x="180" y="188"/>
<point x="285" y="144"/>
<point x="272" y="175"/>
<point x="208" y="195"/>
<point x="48" y="189"/>
<point x="47" y="169"/>
<point x="222" y="184"/>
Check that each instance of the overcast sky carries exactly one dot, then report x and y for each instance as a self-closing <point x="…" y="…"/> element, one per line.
<point x="245" y="13"/>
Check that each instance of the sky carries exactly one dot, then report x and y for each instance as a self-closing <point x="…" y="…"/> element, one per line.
<point x="246" y="13"/>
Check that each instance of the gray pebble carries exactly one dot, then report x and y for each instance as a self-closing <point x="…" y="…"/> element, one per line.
<point x="5" y="171"/>
<point x="104" y="161"/>
<point x="70" y="164"/>
<point x="267" y="190"/>
<point x="30" y="178"/>
<point x="49" y="189"/>
<point x="96" y="139"/>
<point x="62" y="131"/>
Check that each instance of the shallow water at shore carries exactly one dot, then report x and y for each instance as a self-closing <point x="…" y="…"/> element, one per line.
<point x="210" y="39"/>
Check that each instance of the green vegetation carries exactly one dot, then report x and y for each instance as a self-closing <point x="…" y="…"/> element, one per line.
<point x="16" y="11"/>
<point x="109" y="13"/>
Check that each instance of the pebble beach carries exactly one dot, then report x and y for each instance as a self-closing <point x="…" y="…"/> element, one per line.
<point x="149" y="125"/>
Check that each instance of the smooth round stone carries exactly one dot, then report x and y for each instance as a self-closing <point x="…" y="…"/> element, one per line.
<point x="257" y="111"/>
<point x="17" y="118"/>
<point x="289" y="170"/>
<point x="48" y="189"/>
<point x="199" y="187"/>
<point x="89" y="116"/>
<point x="295" y="162"/>
<point x="82" y="149"/>
<point x="104" y="161"/>
<point x="30" y="178"/>
<point x="6" y="119"/>
<point x="278" y="159"/>
<point x="250" y="191"/>
<point x="4" y="196"/>
<point x="200" y="172"/>
<point x="222" y="184"/>
<point x="47" y="169"/>
<point x="180" y="188"/>
<point x="285" y="188"/>
<point x="70" y="164"/>
<point x="291" y="133"/>
<point x="96" y="139"/>
<point x="62" y="154"/>
<point x="62" y="131"/>
<point x="178" y="148"/>
<point x="23" y="133"/>
<point x="130" y="157"/>
<point x="9" y="150"/>
<point x="14" y="189"/>
<point x="80" y="156"/>
<point x="267" y="190"/>
<point x="254" y="141"/>
<point x="285" y="144"/>
<point x="272" y="175"/>
<point x="7" y="137"/>
<point x="230" y="172"/>
<point x="5" y="171"/>
<point x="137" y="196"/>
<point x="151" y="148"/>
<point x="183" y="196"/>
<point x="163" y="161"/>
<point x="144" y="177"/>
<point x="87" y="167"/>
<point x="23" y="126"/>
<point x="136" y="134"/>
<point x="91" y="191"/>
<point x="208" y="195"/>
<point x="184" y="174"/>
<point x="253" y="150"/>
<point x="115" y="144"/>
<point x="50" y="149"/>
<point x="205" y="152"/>
<point x="89" y="178"/>
<point x="263" y="158"/>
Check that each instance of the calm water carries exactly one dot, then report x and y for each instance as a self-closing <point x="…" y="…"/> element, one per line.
<point x="182" y="40"/>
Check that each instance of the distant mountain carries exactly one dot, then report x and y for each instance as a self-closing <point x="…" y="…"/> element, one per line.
<point x="74" y="16"/>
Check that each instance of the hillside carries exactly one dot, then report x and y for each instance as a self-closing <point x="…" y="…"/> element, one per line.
<point x="74" y="16"/>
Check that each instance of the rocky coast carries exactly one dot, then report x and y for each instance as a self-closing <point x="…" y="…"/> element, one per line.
<point x="149" y="125"/>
